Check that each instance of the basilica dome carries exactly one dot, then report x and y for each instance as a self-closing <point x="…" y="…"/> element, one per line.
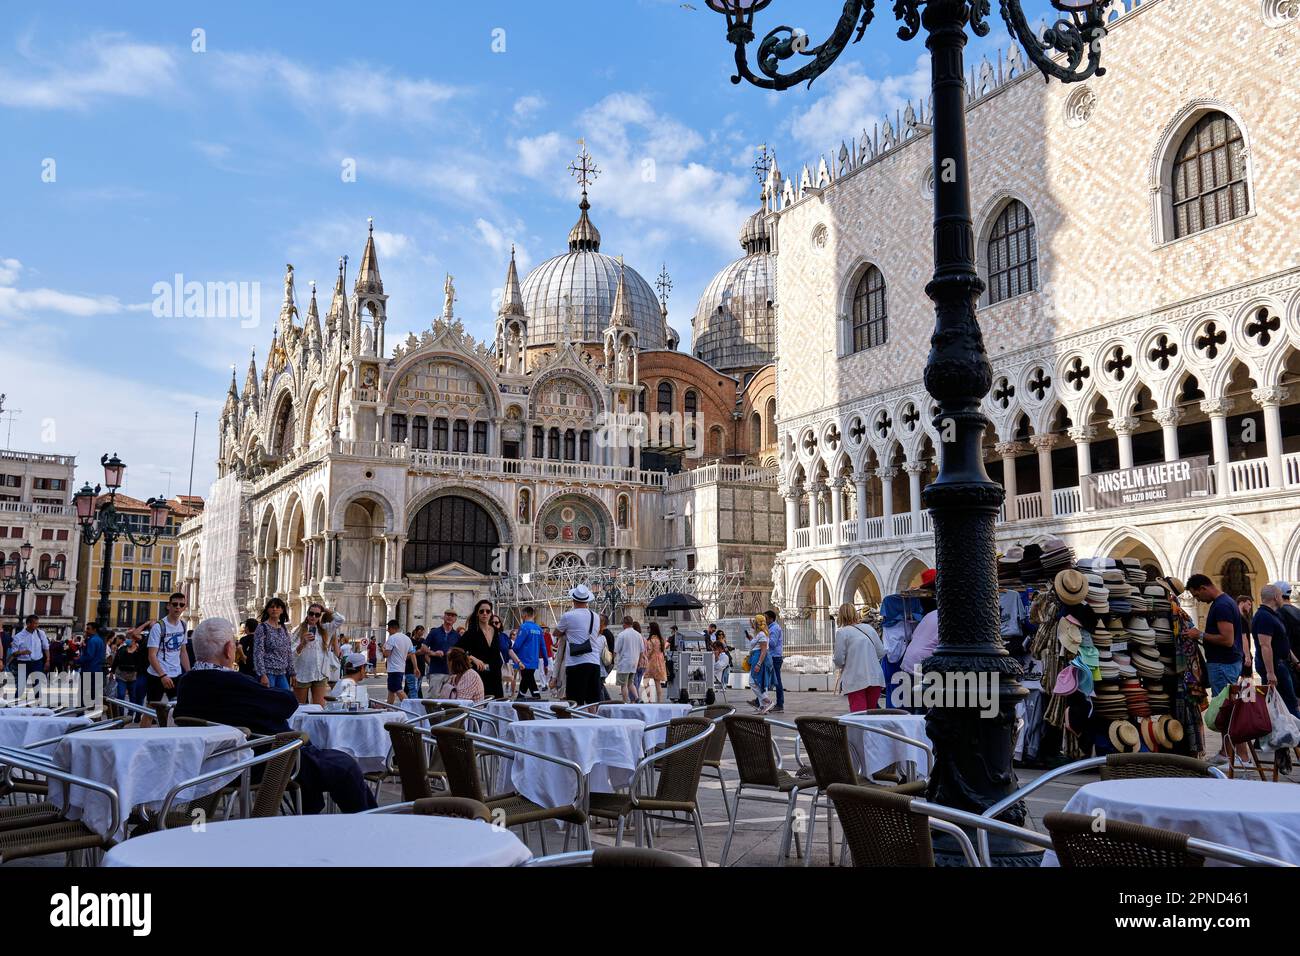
<point x="734" y="325"/>
<point x="582" y="284"/>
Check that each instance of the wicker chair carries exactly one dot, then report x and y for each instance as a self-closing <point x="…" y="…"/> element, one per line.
<point x="679" y="764"/>
<point x="616" y="857"/>
<point x="826" y="741"/>
<point x="460" y="756"/>
<point x="1079" y="843"/>
<point x="717" y="715"/>
<point x="1132" y="766"/>
<point x="411" y="753"/>
<point x="41" y="836"/>
<point x="881" y="828"/>
<point x="758" y="763"/>
<point x="459" y="807"/>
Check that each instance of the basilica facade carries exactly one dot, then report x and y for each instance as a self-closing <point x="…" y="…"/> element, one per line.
<point x="397" y="479"/>
<point x="1137" y="237"/>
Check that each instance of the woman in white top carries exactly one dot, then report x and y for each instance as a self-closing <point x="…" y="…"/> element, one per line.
<point x="858" y="650"/>
<point x="313" y="648"/>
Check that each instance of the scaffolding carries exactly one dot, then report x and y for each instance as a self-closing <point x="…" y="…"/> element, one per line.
<point x="615" y="591"/>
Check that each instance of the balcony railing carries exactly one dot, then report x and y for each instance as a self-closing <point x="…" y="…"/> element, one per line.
<point x="715" y="472"/>
<point x="875" y="528"/>
<point x="1067" y="501"/>
<point x="802" y="537"/>
<point x="902" y="525"/>
<point x="825" y="535"/>
<point x="849" y="531"/>
<point x="26" y="507"/>
<point x="441" y="462"/>
<point x="1029" y="506"/>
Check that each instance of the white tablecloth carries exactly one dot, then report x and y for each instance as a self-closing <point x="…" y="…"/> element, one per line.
<point x="337" y="840"/>
<point x="416" y="708"/>
<point x="20" y="733"/>
<point x="647" y="714"/>
<point x="607" y="750"/>
<point x="361" y="735"/>
<point x="504" y="710"/>
<point x="141" y="765"/>
<point x="26" y="711"/>
<point x="1246" y="814"/>
<point x="879" y="751"/>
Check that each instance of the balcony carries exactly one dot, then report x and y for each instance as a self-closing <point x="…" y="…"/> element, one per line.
<point x="27" y="508"/>
<point x="450" y="463"/>
<point x="718" y="472"/>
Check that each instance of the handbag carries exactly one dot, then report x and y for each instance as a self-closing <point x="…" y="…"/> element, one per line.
<point x="585" y="646"/>
<point x="1215" y="706"/>
<point x="1286" y="729"/>
<point x="1248" y="717"/>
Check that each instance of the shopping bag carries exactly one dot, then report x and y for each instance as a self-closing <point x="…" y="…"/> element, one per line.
<point x="1286" y="729"/>
<point x="1249" y="719"/>
<point x="1212" y="712"/>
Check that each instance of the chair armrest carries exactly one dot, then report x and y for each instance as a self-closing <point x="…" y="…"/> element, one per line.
<point x="132" y="708"/>
<point x="16" y="760"/>
<point x="239" y="767"/>
<point x="580" y="801"/>
<point x="1230" y="854"/>
<point x="958" y="834"/>
<point x="576" y="858"/>
<point x="650" y="759"/>
<point x="391" y="808"/>
<point x="984" y="824"/>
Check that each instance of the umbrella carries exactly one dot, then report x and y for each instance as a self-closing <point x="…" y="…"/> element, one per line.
<point x="673" y="601"/>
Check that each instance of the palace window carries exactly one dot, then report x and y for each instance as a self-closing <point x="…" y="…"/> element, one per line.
<point x="584" y="446"/>
<point x="570" y="445"/>
<point x="665" y="397"/>
<point x="553" y="444"/>
<point x="869" y="314"/>
<point x="398" y="427"/>
<point x="1209" y="176"/>
<point x="420" y="433"/>
<point x="461" y="433"/>
<point x="539" y="442"/>
<point x="480" y="438"/>
<point x="1013" y="253"/>
<point x="691" y="402"/>
<point x="440" y="434"/>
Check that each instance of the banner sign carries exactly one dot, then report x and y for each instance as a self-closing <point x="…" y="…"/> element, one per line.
<point x="1129" y="487"/>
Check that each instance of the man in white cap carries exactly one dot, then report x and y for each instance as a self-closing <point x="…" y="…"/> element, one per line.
<point x="580" y="627"/>
<point x="352" y="686"/>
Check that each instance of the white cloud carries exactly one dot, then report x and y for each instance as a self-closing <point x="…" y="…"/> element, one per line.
<point x="500" y="242"/>
<point x="21" y="303"/>
<point x="355" y="90"/>
<point x="9" y="270"/>
<point x="854" y="100"/>
<point x="527" y="106"/>
<point x="103" y="66"/>
<point x="540" y="156"/>
<point x="393" y="245"/>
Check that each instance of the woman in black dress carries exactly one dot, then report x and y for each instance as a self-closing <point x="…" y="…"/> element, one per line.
<point x="482" y="642"/>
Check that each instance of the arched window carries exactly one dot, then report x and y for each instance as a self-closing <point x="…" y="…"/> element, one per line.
<point x="1013" y="253"/>
<point x="584" y="445"/>
<point x="448" y="529"/>
<point x="640" y="399"/>
<point x="717" y="441"/>
<point x="755" y="431"/>
<point x="440" y="434"/>
<point x="1235" y="578"/>
<point x="43" y="567"/>
<point x="553" y="444"/>
<point x="1209" y="176"/>
<point x="869" y="316"/>
<point x="480" y="438"/>
<point x="570" y="445"/>
<point x="665" y="397"/>
<point x="420" y="432"/>
<point x="771" y="420"/>
<point x="398" y="428"/>
<point x="691" y="401"/>
<point x="461" y="432"/>
<point x="539" y="442"/>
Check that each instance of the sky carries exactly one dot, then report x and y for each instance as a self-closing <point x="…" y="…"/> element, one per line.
<point x="219" y="142"/>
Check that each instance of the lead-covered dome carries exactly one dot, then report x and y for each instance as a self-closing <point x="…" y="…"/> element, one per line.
<point x="583" y="282"/>
<point x="734" y="326"/>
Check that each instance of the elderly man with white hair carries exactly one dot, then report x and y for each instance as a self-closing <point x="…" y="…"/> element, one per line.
<point x="1274" y="640"/>
<point x="215" y="690"/>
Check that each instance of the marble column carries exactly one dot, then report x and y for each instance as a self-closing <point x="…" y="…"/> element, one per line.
<point x="1270" y="400"/>
<point x="837" y="510"/>
<point x="915" y="470"/>
<point x="1008" y="451"/>
<point x="1168" y="419"/>
<point x="1043" y="444"/>
<point x="791" y="517"/>
<point x="887" y="476"/>
<point x="1124" y="428"/>
<point x="1218" y="409"/>
<point x="1082" y="436"/>
<point x="860" y="480"/>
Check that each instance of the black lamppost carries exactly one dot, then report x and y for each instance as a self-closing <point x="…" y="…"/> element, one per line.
<point x="102" y="520"/>
<point x="973" y="754"/>
<point x="18" y="576"/>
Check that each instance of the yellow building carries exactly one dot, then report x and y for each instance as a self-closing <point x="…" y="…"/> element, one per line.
<point x="141" y="578"/>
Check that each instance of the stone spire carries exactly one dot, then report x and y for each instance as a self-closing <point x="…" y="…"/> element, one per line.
<point x="512" y="299"/>
<point x="621" y="314"/>
<point x="250" y="381"/>
<point x="312" y="325"/>
<point x="232" y="397"/>
<point x="584" y="236"/>
<point x="368" y="275"/>
<point x="336" y="319"/>
<point x="288" y="309"/>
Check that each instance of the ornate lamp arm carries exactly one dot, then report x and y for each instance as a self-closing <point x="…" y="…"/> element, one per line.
<point x="1074" y="37"/>
<point x="784" y="42"/>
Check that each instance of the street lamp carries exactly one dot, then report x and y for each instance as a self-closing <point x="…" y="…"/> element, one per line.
<point x="102" y="520"/>
<point x="972" y="768"/>
<point x="18" y="576"/>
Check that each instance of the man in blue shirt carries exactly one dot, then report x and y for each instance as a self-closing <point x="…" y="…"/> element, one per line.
<point x="776" y="647"/>
<point x="437" y="643"/>
<point x="527" y="653"/>
<point x="92" y="665"/>
<point x="1222" y="640"/>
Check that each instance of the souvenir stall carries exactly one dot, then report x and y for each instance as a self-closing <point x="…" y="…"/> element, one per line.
<point x="1113" y="658"/>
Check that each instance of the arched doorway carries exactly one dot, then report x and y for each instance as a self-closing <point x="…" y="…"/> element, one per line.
<point x="452" y="529"/>
<point x="861" y="589"/>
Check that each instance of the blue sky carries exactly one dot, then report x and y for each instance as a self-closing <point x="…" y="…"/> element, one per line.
<point x="224" y="165"/>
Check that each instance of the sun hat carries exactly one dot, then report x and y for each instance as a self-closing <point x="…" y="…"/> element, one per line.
<point x="355" y="661"/>
<point x="1071" y="587"/>
<point x="1123" y="736"/>
<point x="1173" y="728"/>
<point x="1067" y="682"/>
<point x="1147" y="727"/>
<point x="581" y="593"/>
